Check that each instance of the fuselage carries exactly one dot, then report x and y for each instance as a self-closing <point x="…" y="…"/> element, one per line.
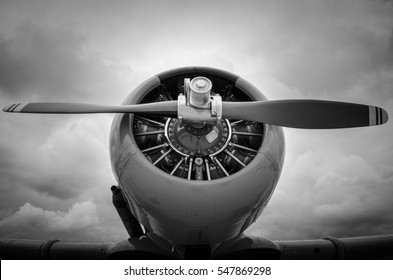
<point x="188" y="211"/>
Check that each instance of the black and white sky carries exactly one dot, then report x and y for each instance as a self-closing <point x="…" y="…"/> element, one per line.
<point x="55" y="171"/>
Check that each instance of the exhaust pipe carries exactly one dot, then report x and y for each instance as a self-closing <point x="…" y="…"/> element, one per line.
<point x="131" y="224"/>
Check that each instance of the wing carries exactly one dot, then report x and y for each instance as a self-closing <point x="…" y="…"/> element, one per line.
<point x="350" y="248"/>
<point x="328" y="248"/>
<point x="243" y="247"/>
<point x="142" y="248"/>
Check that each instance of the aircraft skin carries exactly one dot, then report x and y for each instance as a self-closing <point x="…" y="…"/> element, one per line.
<point x="196" y="217"/>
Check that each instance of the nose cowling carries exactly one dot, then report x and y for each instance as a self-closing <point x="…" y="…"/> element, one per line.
<point x="213" y="179"/>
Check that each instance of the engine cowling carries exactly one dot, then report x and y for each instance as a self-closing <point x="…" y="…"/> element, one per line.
<point x="213" y="178"/>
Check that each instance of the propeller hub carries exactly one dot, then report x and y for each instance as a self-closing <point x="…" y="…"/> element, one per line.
<point x="200" y="88"/>
<point x="200" y="84"/>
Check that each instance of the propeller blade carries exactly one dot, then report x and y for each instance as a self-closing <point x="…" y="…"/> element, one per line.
<point x="168" y="108"/>
<point x="304" y="113"/>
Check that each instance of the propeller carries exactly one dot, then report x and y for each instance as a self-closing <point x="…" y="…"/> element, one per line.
<point x="298" y="113"/>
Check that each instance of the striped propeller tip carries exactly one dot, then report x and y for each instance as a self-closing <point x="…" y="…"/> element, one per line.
<point x="13" y="108"/>
<point x="377" y="115"/>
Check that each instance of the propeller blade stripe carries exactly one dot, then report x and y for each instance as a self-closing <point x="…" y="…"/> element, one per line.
<point x="372" y="115"/>
<point x="9" y="109"/>
<point x="380" y="116"/>
<point x="13" y="109"/>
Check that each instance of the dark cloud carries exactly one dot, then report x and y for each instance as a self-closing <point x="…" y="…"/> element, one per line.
<point x="328" y="49"/>
<point x="69" y="158"/>
<point x="339" y="195"/>
<point x="55" y="161"/>
<point x="34" y="222"/>
<point x="52" y="63"/>
<point x="39" y="57"/>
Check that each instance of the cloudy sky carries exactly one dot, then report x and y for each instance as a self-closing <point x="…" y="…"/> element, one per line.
<point x="55" y="171"/>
